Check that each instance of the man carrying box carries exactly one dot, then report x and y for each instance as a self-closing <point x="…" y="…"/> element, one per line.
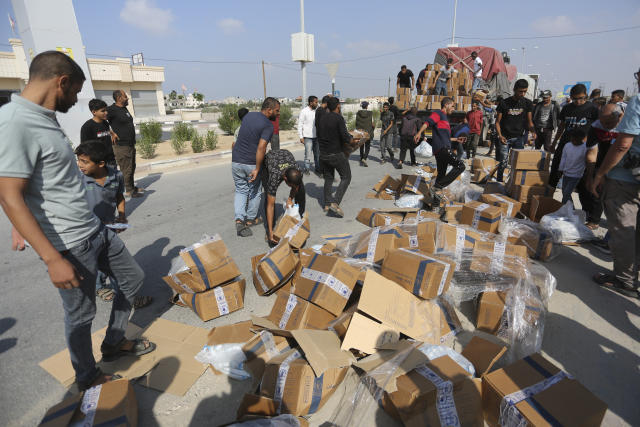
<point x="405" y="78"/>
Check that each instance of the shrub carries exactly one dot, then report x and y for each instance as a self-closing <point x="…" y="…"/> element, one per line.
<point x="286" y="117"/>
<point x="183" y="131"/>
<point x="210" y="140"/>
<point x="197" y="144"/>
<point x="229" y="120"/>
<point x="178" y="145"/>
<point x="151" y="130"/>
<point x="146" y="147"/>
<point x="376" y="116"/>
<point x="351" y="121"/>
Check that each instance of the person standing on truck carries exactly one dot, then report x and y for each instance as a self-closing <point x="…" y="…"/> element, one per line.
<point x="514" y="118"/>
<point x="545" y="118"/>
<point x="441" y="145"/>
<point x="477" y="71"/>
<point x="364" y="121"/>
<point x="443" y="76"/>
<point x="421" y="87"/>
<point x="405" y="78"/>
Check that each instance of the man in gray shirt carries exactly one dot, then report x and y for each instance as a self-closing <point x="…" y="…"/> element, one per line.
<point x="443" y="76"/>
<point x="42" y="194"/>
<point x="545" y="119"/>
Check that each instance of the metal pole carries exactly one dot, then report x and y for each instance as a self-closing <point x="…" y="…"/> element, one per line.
<point x="453" y="30"/>
<point x="302" y="63"/>
<point x="264" y="81"/>
<point x="524" y="62"/>
<point x="333" y="87"/>
<point x="389" y="88"/>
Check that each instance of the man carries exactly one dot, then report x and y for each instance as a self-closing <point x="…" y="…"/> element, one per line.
<point x="405" y="78"/>
<point x="474" y="120"/>
<point x="275" y="138"/>
<point x="247" y="156"/>
<point x="333" y="136"/>
<point x="279" y="166"/>
<point x="621" y="199"/>
<point x="410" y="125"/>
<point x="477" y="71"/>
<point x="421" y="84"/>
<point x="386" y="133"/>
<point x="125" y="147"/>
<point x="514" y="118"/>
<point x="617" y="97"/>
<point x="443" y="76"/>
<point x="42" y="194"/>
<point x="579" y="113"/>
<point x="545" y="119"/>
<point x="320" y="112"/>
<point x="441" y="145"/>
<point x="364" y="121"/>
<point x="307" y="133"/>
<point x="395" y="130"/>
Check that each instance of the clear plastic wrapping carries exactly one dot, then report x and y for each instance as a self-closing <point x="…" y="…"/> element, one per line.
<point x="178" y="265"/>
<point x="540" y="241"/>
<point x="284" y="420"/>
<point x="409" y="201"/>
<point x="567" y="225"/>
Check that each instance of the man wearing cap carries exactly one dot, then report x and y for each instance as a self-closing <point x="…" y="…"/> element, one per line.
<point x="545" y="119"/>
<point x="364" y="121"/>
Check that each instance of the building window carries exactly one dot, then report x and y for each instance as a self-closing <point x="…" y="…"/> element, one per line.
<point x="145" y="103"/>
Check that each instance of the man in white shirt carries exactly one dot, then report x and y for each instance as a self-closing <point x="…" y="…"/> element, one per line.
<point x="477" y="71"/>
<point x="307" y="133"/>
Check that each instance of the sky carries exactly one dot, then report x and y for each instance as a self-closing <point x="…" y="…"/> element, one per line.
<point x="247" y="32"/>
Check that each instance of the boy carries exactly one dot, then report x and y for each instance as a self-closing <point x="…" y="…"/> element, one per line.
<point x="441" y="144"/>
<point x="474" y="119"/>
<point x="97" y="128"/>
<point x="104" y="193"/>
<point x="410" y="124"/>
<point x="386" y="132"/>
<point x="617" y="97"/>
<point x="572" y="163"/>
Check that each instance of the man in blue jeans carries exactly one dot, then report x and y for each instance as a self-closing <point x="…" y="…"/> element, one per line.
<point x="247" y="156"/>
<point x="42" y="194"/>
<point x="514" y="117"/>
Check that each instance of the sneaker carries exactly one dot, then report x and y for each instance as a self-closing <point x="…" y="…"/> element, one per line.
<point x="307" y="172"/>
<point x="383" y="161"/>
<point x="398" y="165"/>
<point x="602" y="246"/>
<point x="363" y="163"/>
<point x="335" y="208"/>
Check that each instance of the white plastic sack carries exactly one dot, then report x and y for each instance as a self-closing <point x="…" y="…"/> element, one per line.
<point x="293" y="211"/>
<point x="567" y="225"/>
<point x="424" y="149"/>
<point x="409" y="201"/>
<point x="226" y="358"/>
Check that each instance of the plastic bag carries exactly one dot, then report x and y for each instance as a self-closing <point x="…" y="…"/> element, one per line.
<point x="567" y="225"/>
<point x="471" y="195"/>
<point x="284" y="420"/>
<point x="424" y="149"/>
<point x="435" y="351"/>
<point x="226" y="358"/>
<point x="409" y="201"/>
<point x="540" y="241"/>
<point x="293" y="211"/>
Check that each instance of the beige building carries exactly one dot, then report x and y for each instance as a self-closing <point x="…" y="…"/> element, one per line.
<point x="142" y="83"/>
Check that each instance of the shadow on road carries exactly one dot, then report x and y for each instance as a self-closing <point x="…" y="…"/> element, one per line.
<point x="7" y="323"/>
<point x="144" y="183"/>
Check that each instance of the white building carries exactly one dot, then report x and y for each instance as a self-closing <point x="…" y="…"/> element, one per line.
<point x="234" y="100"/>
<point x="191" y="102"/>
<point x="143" y="84"/>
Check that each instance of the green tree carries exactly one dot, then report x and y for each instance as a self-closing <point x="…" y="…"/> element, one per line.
<point x="180" y="97"/>
<point x="229" y="120"/>
<point x="173" y="94"/>
<point x="350" y="101"/>
<point x="198" y="96"/>
<point x="286" y="117"/>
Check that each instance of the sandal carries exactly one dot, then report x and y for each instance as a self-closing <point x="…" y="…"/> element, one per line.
<point x="242" y="230"/>
<point x="138" y="348"/>
<point x="82" y="386"/>
<point x="142" y="301"/>
<point x="610" y="281"/>
<point x="251" y="223"/>
<point x="106" y="294"/>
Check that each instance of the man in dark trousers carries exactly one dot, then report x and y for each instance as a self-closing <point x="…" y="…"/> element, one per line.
<point x="364" y="121"/>
<point x="332" y="136"/>
<point x="321" y="110"/>
<point x="125" y="147"/>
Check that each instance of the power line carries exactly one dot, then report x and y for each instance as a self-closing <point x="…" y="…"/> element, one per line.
<point x="323" y="74"/>
<point x="363" y="58"/>
<point x="198" y="61"/>
<point x="615" y="30"/>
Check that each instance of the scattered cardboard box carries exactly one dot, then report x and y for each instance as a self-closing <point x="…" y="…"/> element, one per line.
<point x="522" y="159"/>
<point x="509" y="206"/>
<point x="296" y="231"/>
<point x="425" y="237"/>
<point x="275" y="269"/>
<point x="481" y="216"/>
<point x="415" y="184"/>
<point x="292" y="312"/>
<point x="367" y="335"/>
<point x="386" y="183"/>
<point x="374" y="218"/>
<point x="374" y="244"/>
<point x="494" y="187"/>
<point x="327" y="281"/>
<point x="219" y="301"/>
<point x="527" y="177"/>
<point x="541" y="206"/>
<point x="449" y="321"/>
<point x="564" y="401"/>
<point x="453" y="212"/>
<point x="231" y="334"/>
<point x="423" y="275"/>
<point x="113" y="403"/>
<point x="483" y="163"/>
<point x="500" y="258"/>
<point x="454" y="238"/>
<point x="538" y="241"/>
<point x="489" y="310"/>
<point x="483" y="354"/>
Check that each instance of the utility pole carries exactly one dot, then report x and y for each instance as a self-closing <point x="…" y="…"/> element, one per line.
<point x="264" y="81"/>
<point x="453" y="28"/>
<point x="303" y="64"/>
<point x="389" y="88"/>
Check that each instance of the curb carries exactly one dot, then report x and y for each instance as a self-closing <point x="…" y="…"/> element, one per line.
<point x="194" y="159"/>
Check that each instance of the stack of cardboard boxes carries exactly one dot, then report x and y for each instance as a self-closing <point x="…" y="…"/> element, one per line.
<point x="403" y="98"/>
<point x="529" y="176"/>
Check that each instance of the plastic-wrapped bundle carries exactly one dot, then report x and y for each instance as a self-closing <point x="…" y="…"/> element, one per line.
<point x="409" y="201"/>
<point x="283" y="420"/>
<point x="456" y="190"/>
<point x="472" y="194"/>
<point x="567" y="225"/>
<point x="370" y="246"/>
<point x="538" y="239"/>
<point x="178" y="265"/>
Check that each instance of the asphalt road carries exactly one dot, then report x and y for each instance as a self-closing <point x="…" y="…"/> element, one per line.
<point x="592" y="333"/>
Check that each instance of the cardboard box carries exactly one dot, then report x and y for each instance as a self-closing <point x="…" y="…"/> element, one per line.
<point x="483" y="163"/>
<point x="525" y="193"/>
<point x="255" y="407"/>
<point x="481" y="216"/>
<point x="421" y="215"/>
<point x="403" y="104"/>
<point x="229" y="334"/>
<point x="216" y="302"/>
<point x="415" y="184"/>
<point x="397" y="308"/>
<point x="489" y="310"/>
<point x="541" y="206"/>
<point x="386" y="183"/>
<point x="292" y="312"/>
<point x="425" y="237"/>
<point x="406" y="91"/>
<point x="264" y="345"/>
<point x="297" y="231"/>
<point x="424" y="276"/>
<point x="374" y="244"/>
<point x="509" y="206"/>
<point x="500" y="258"/>
<point x="523" y="159"/>
<point x="566" y="402"/>
<point x="367" y="335"/>
<point x="527" y="177"/>
<point x="449" y="321"/>
<point x="494" y="188"/>
<point x="483" y="354"/>
<point x="275" y="269"/>
<point x="538" y="241"/>
<point x="375" y="218"/>
<point x="453" y="238"/>
<point x="207" y="265"/>
<point x="113" y="403"/>
<point x="453" y="212"/>
<point x="327" y="281"/>
<point x="438" y="393"/>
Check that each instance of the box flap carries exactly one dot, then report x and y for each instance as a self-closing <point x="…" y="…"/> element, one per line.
<point x="483" y="354"/>
<point x="230" y="334"/>
<point x="322" y="350"/>
<point x="367" y="335"/>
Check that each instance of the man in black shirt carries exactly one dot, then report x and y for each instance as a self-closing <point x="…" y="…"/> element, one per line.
<point x="332" y="136"/>
<point x="395" y="130"/>
<point x="405" y="78"/>
<point x="580" y="113"/>
<point x="514" y="117"/>
<point x="97" y="129"/>
<point x="125" y="133"/>
<point x="321" y="110"/>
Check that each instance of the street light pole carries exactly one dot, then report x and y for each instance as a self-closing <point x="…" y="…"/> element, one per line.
<point x="303" y="64"/>
<point x="453" y="29"/>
